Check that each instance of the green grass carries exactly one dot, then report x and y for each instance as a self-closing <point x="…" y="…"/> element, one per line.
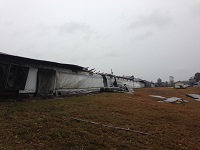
<point x="45" y="124"/>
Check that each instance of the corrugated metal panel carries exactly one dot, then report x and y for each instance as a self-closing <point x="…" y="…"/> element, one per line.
<point x="31" y="81"/>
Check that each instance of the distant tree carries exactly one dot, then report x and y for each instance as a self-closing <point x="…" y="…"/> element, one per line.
<point x="171" y="81"/>
<point x="197" y="77"/>
<point x="166" y="84"/>
<point x="159" y="82"/>
<point x="191" y="81"/>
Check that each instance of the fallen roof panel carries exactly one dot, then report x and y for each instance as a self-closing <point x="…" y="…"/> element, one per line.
<point x="195" y="96"/>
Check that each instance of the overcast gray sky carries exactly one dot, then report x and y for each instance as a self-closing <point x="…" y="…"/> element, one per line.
<point x="149" y="39"/>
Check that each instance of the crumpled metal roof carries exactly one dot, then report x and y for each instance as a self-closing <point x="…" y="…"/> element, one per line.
<point x="29" y="61"/>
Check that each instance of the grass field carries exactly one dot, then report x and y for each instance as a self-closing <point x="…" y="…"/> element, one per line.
<point x="45" y="124"/>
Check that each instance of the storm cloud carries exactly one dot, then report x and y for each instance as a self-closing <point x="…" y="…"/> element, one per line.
<point x="74" y="27"/>
<point x="148" y="39"/>
<point x="156" y="19"/>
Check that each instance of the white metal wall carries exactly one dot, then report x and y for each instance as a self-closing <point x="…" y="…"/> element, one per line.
<point x="121" y="82"/>
<point x="79" y="80"/>
<point x="137" y="84"/>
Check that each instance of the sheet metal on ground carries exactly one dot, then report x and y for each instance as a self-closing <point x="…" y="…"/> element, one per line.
<point x="169" y="100"/>
<point x="195" y="96"/>
<point x="174" y="100"/>
<point x="157" y="96"/>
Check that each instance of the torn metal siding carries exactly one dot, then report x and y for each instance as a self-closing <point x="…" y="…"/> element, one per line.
<point x="105" y="83"/>
<point x="42" y="78"/>
<point x="80" y="80"/>
<point x="31" y="81"/>
<point x="69" y="82"/>
<point x="13" y="77"/>
<point x="16" y="77"/>
<point x="46" y="82"/>
<point x="110" y="81"/>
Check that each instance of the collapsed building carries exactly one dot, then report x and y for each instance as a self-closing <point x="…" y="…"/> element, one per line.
<point x="25" y="76"/>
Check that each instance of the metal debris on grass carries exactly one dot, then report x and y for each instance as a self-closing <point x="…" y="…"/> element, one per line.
<point x="157" y="96"/>
<point x="175" y="100"/>
<point x="195" y="96"/>
<point x="169" y="100"/>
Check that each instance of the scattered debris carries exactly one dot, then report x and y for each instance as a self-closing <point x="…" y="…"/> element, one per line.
<point x="175" y="100"/>
<point x="170" y="100"/>
<point x="157" y="96"/>
<point x="195" y="96"/>
<point x="179" y="85"/>
<point x="109" y="126"/>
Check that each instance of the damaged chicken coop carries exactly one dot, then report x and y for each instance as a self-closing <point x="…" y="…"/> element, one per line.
<point x="20" y="76"/>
